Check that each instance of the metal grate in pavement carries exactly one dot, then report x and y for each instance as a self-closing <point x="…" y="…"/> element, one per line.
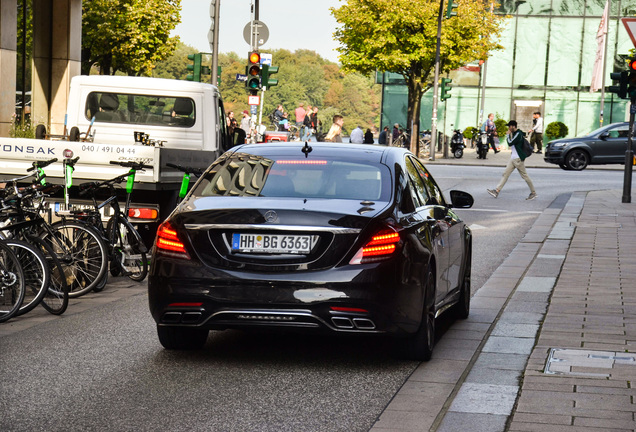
<point x="587" y="363"/>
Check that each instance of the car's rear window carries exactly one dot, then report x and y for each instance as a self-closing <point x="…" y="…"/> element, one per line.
<point x="286" y="177"/>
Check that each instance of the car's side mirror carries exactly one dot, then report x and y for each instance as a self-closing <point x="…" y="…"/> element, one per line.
<point x="461" y="199"/>
<point x="604" y="136"/>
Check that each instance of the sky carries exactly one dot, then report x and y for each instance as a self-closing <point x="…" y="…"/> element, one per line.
<point x="292" y="24"/>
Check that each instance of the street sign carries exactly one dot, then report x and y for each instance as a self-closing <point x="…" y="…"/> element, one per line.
<point x="253" y="109"/>
<point x="241" y="77"/>
<point x="266" y="59"/>
<point x="630" y="26"/>
<point x="261" y="31"/>
<point x="253" y="100"/>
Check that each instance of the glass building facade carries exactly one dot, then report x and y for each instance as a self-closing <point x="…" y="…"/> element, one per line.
<point x="546" y="65"/>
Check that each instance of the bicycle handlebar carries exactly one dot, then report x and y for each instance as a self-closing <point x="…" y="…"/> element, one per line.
<point x="71" y="162"/>
<point x="132" y="164"/>
<point x="41" y="164"/>
<point x="186" y="169"/>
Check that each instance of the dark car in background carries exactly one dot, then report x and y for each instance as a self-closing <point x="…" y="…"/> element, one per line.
<point x="606" y="145"/>
<point x="334" y="238"/>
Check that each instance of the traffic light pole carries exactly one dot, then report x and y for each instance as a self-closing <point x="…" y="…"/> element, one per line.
<point x="435" y="83"/>
<point x="215" y="50"/>
<point x="629" y="156"/>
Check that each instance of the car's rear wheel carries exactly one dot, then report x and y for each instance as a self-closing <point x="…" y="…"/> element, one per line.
<point x="577" y="160"/>
<point x="419" y="346"/>
<point x="182" y="338"/>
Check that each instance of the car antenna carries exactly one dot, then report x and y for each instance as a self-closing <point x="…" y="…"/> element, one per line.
<point x="307" y="149"/>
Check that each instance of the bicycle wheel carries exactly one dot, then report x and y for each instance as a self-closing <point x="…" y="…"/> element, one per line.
<point x="55" y="300"/>
<point x="83" y="253"/>
<point x="11" y="283"/>
<point x="36" y="273"/>
<point x="129" y="257"/>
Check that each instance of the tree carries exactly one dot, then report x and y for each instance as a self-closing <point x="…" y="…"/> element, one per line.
<point x="175" y="66"/>
<point x="127" y="35"/>
<point x="400" y="36"/>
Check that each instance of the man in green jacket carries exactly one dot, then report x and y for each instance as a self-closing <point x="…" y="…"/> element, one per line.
<point x="515" y="142"/>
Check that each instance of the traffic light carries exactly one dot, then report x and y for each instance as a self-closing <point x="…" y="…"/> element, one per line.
<point x="446" y="88"/>
<point x="449" y="10"/>
<point x="631" y="83"/>
<point x="253" y="72"/>
<point x="195" y="67"/>
<point x="266" y="71"/>
<point x="621" y="89"/>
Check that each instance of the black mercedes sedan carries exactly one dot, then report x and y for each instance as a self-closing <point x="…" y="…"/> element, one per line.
<point x="325" y="237"/>
<point x="606" y="145"/>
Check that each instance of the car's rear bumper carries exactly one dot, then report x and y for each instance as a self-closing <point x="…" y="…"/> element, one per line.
<point x="353" y="299"/>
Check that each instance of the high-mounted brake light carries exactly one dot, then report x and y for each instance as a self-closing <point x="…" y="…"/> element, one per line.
<point x="302" y="162"/>
<point x="168" y="242"/>
<point x="381" y="246"/>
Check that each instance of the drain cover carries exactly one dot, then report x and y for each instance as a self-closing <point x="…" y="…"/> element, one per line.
<point x="586" y="362"/>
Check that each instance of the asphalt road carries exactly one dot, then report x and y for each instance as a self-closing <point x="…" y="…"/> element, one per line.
<point x="100" y="366"/>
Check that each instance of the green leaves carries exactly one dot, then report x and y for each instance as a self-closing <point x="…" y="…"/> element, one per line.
<point x="128" y="35"/>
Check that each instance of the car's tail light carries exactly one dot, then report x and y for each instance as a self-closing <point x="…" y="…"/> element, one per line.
<point x="168" y="242"/>
<point x="381" y="246"/>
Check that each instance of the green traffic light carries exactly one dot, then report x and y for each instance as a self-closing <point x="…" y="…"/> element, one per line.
<point x="449" y="10"/>
<point x="446" y="88"/>
<point x="195" y="67"/>
<point x="266" y="71"/>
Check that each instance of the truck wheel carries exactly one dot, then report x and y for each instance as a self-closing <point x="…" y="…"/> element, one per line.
<point x="40" y="131"/>
<point x="74" y="134"/>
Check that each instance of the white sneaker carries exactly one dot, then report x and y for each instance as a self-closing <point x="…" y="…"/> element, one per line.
<point x="532" y="196"/>
<point x="493" y="192"/>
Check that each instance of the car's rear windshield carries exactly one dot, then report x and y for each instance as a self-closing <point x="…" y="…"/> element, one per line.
<point x="243" y="175"/>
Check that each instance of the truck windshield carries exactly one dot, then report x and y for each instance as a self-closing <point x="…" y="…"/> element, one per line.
<point x="140" y="109"/>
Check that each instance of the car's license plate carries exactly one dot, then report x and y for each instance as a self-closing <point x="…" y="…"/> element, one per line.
<point x="271" y="243"/>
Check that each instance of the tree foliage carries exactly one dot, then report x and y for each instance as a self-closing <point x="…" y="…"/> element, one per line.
<point x="130" y="36"/>
<point x="400" y="36"/>
<point x="304" y="77"/>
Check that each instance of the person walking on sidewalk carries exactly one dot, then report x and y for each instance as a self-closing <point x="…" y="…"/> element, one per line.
<point x="515" y="139"/>
<point x="537" y="131"/>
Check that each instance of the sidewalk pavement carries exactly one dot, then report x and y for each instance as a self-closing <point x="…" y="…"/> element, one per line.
<point x="550" y="344"/>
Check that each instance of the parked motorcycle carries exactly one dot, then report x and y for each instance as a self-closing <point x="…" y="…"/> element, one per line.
<point x="482" y="145"/>
<point x="457" y="143"/>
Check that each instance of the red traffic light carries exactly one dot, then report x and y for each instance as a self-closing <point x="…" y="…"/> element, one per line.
<point x="255" y="58"/>
<point x="632" y="64"/>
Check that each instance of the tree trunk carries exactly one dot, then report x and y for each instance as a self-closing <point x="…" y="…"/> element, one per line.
<point x="413" y="113"/>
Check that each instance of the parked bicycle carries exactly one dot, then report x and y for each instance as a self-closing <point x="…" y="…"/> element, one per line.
<point x="79" y="247"/>
<point x="126" y="249"/>
<point x="12" y="285"/>
<point x="44" y="274"/>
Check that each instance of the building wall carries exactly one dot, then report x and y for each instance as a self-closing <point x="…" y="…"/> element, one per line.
<point x="546" y="65"/>
<point x="57" y="34"/>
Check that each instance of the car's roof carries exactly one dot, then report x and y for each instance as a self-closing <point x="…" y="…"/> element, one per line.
<point x="368" y="152"/>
